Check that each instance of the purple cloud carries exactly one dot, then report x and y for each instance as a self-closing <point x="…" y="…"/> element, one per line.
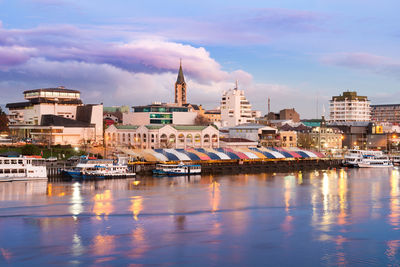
<point x="13" y="56"/>
<point x="364" y="61"/>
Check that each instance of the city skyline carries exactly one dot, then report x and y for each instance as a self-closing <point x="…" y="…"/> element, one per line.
<point x="275" y="50"/>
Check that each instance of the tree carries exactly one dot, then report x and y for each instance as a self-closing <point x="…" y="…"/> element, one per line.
<point x="3" y="121"/>
<point x="304" y="140"/>
<point x="201" y="120"/>
<point x="29" y="149"/>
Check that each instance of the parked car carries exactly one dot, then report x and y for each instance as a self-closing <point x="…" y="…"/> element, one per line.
<point x="74" y="158"/>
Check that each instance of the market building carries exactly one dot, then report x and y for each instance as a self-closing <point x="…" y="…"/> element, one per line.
<point x="162" y="136"/>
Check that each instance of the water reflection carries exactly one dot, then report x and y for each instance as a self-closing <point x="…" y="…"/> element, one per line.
<point x="342" y="216"/>
<point x="394" y="218"/>
<point x="215" y="195"/>
<point x="76" y="200"/>
<point x="21" y="190"/>
<point x="136" y="206"/>
<point x="103" y="204"/>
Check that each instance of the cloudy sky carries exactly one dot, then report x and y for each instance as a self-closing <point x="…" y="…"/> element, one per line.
<point x="127" y="52"/>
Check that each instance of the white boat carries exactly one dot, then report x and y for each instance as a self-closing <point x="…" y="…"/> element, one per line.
<point x="98" y="168"/>
<point x="177" y="169"/>
<point x="103" y="172"/>
<point x="21" y="169"/>
<point x="354" y="156"/>
<point x="369" y="161"/>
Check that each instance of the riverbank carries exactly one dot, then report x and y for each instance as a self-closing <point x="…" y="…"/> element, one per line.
<point x="249" y="166"/>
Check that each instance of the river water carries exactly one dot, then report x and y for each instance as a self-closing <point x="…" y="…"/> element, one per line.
<point x="318" y="218"/>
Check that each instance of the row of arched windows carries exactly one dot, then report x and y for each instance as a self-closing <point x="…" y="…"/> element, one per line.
<point x="181" y="139"/>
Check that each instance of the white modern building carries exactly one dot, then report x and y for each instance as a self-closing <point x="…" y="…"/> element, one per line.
<point x="162" y="136"/>
<point x="349" y="107"/>
<point x="56" y="116"/>
<point x="236" y="109"/>
<point x="159" y="113"/>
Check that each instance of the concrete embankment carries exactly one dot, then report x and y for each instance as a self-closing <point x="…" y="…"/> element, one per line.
<point x="250" y="166"/>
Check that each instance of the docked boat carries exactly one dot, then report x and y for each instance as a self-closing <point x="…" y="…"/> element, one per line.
<point x="103" y="172"/>
<point x="395" y="160"/>
<point x="369" y="161"/>
<point x="177" y="169"/>
<point x="21" y="169"/>
<point x="354" y="156"/>
<point x="98" y="168"/>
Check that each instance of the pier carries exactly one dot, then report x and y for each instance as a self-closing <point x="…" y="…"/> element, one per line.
<point x="249" y="166"/>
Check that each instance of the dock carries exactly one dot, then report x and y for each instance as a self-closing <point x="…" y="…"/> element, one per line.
<point x="249" y="166"/>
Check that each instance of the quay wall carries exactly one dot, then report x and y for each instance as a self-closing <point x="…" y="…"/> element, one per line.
<point x="249" y="166"/>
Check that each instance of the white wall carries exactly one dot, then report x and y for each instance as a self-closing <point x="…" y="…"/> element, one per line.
<point x="136" y="118"/>
<point x="183" y="118"/>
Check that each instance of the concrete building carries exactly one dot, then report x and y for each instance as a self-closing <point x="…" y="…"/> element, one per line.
<point x="325" y="139"/>
<point x="349" y="107"/>
<point x="288" y="138"/>
<point x="214" y="115"/>
<point x="284" y="114"/>
<point x="235" y="108"/>
<point x="159" y="113"/>
<point x="386" y="113"/>
<point x="56" y="116"/>
<point x="250" y="131"/>
<point x="162" y="136"/>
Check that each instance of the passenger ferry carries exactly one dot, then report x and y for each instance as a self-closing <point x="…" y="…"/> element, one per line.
<point x="354" y="156"/>
<point x="369" y="161"/>
<point x="177" y="169"/>
<point x="98" y="168"/>
<point x="103" y="172"/>
<point x="21" y="169"/>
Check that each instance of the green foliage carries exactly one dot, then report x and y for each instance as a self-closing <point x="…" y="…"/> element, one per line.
<point x="29" y="150"/>
<point x="3" y="121"/>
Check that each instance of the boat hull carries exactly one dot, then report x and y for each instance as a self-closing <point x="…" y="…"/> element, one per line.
<point x="364" y="165"/>
<point x="107" y="176"/>
<point x="172" y="173"/>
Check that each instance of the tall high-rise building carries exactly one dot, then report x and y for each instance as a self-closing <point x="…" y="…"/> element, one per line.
<point x="349" y="107"/>
<point x="235" y="108"/>
<point x="180" y="88"/>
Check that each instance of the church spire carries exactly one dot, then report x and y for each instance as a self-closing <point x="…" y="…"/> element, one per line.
<point x="181" y="78"/>
<point x="180" y="87"/>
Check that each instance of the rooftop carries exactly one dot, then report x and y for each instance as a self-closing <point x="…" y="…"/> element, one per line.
<point x="57" y="89"/>
<point x="349" y="96"/>
<point x="237" y="140"/>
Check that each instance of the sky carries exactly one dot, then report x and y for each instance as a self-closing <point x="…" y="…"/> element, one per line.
<point x="298" y="53"/>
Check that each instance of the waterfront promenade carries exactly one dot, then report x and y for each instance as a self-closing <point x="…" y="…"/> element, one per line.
<point x="311" y="218"/>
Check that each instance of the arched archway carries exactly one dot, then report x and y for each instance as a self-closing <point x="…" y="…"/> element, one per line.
<point x="163" y="140"/>
<point x="206" y="140"/>
<point x="189" y="140"/>
<point x="214" y="140"/>
<point x="197" y="140"/>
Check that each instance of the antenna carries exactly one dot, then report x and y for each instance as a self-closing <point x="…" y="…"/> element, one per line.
<point x="237" y="87"/>
<point x="317" y="106"/>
